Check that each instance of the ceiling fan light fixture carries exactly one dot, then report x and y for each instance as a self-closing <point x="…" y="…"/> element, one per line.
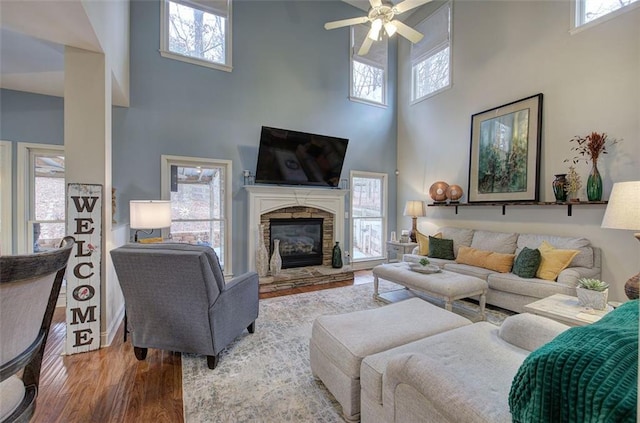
<point x="376" y="26"/>
<point x="390" y="29"/>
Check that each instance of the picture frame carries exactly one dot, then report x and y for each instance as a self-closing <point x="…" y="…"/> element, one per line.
<point x="504" y="161"/>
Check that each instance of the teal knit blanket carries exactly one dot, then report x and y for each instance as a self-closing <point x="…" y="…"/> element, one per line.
<point x="586" y="374"/>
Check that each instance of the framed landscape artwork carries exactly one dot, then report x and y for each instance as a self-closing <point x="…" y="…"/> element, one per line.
<point x="505" y="145"/>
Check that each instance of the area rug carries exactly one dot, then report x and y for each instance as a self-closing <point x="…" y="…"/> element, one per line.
<point x="266" y="376"/>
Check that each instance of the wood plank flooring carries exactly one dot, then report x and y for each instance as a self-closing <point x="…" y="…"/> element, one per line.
<point x="110" y="385"/>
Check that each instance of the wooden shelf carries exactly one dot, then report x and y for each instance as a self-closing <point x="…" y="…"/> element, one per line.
<point x="504" y="204"/>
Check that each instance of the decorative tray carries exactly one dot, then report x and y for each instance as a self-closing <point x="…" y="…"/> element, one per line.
<point x="429" y="268"/>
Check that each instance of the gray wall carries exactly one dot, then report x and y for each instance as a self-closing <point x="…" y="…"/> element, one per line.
<point x="289" y="72"/>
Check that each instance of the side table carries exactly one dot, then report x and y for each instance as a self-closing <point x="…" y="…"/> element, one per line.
<point x="398" y="248"/>
<point x="566" y="309"/>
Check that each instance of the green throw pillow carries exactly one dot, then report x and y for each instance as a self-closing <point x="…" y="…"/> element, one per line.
<point x="527" y="263"/>
<point x="441" y="248"/>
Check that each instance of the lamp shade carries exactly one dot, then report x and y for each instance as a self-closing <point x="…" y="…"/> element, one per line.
<point x="149" y="214"/>
<point x="623" y="209"/>
<point x="414" y="208"/>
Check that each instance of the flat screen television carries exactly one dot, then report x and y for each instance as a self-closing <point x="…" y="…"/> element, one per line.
<point x="297" y="158"/>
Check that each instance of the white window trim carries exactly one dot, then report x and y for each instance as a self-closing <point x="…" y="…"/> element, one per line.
<point x="576" y="12"/>
<point x="165" y="186"/>
<point x="6" y="240"/>
<point x="440" y="47"/>
<point x="385" y="214"/>
<point x="164" y="42"/>
<point x="384" y="104"/>
<point x="25" y="190"/>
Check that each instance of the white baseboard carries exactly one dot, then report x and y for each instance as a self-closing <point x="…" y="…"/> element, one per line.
<point x="106" y="337"/>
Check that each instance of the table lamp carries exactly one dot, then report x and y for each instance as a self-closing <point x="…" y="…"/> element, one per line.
<point x="149" y="215"/>
<point x="414" y="209"/>
<point x="623" y="212"/>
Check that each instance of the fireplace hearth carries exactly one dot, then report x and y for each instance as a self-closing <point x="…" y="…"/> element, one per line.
<point x="300" y="241"/>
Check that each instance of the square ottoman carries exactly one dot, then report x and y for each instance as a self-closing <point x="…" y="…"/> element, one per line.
<point x="340" y="342"/>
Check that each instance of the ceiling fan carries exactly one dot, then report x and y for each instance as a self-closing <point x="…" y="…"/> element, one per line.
<point x="381" y="14"/>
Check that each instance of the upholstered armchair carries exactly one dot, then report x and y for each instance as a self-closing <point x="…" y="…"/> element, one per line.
<point x="29" y="288"/>
<point x="176" y="299"/>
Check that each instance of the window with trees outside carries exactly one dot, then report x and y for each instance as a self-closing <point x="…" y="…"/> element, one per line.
<point x="587" y="11"/>
<point x="197" y="31"/>
<point x="199" y="190"/>
<point x="431" y="57"/>
<point x="369" y="215"/>
<point x="369" y="72"/>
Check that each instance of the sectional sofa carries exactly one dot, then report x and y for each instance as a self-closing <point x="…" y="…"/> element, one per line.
<point x="507" y="290"/>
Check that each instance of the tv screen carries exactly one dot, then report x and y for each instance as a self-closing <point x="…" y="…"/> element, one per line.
<point x="297" y="158"/>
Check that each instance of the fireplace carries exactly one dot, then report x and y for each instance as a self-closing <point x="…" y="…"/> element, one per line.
<point x="300" y="241"/>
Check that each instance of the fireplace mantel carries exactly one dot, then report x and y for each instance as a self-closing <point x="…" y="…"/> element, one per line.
<point x="267" y="198"/>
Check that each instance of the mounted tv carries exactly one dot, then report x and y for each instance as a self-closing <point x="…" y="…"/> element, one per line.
<point x="297" y="158"/>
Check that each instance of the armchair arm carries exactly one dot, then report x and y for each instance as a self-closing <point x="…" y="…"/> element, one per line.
<point x="530" y="332"/>
<point x="234" y="310"/>
<point x="571" y="275"/>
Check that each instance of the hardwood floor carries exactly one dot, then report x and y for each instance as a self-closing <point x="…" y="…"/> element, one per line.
<point x="110" y="385"/>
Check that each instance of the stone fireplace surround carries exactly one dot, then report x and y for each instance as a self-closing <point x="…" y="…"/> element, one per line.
<point x="279" y="201"/>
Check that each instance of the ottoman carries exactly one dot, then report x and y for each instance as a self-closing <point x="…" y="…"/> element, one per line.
<point x="340" y="342"/>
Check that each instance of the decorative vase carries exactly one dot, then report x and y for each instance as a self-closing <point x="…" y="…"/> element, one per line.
<point x="276" y="260"/>
<point x="558" y="187"/>
<point x="336" y="258"/>
<point x="262" y="256"/>
<point x="594" y="184"/>
<point x="594" y="299"/>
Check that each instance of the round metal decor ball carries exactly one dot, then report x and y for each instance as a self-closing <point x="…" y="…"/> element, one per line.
<point x="454" y="192"/>
<point x="438" y="191"/>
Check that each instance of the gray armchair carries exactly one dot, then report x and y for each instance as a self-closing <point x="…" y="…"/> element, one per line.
<point x="176" y="299"/>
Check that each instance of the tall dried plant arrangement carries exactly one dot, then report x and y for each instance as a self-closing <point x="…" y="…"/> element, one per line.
<point x="590" y="147"/>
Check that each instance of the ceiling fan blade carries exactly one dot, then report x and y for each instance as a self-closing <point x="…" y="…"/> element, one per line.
<point x="407" y="32"/>
<point x="375" y="3"/>
<point x="366" y="45"/>
<point x="346" y="22"/>
<point x="408" y="5"/>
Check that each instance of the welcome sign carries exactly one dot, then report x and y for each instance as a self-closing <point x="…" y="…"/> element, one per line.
<point x="84" y="223"/>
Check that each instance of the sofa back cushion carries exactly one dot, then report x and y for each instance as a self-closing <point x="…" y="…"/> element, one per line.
<point x="486" y="259"/>
<point x="583" y="259"/>
<point x="460" y="236"/>
<point x="500" y="242"/>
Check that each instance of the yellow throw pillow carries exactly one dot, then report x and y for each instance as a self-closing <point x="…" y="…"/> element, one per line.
<point x="553" y="261"/>
<point x="423" y="242"/>
<point x="486" y="259"/>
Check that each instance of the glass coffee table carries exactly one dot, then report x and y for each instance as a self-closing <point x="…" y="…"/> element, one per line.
<point x="566" y="309"/>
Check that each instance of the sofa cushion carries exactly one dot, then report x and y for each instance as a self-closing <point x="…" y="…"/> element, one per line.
<point x="534" y="287"/>
<point x="441" y="248"/>
<point x="423" y="242"/>
<point x="553" y="261"/>
<point x="486" y="259"/>
<point x="527" y="263"/>
<point x="500" y="242"/>
<point x="529" y="331"/>
<point x="465" y="269"/>
<point x="584" y="259"/>
<point x="460" y="236"/>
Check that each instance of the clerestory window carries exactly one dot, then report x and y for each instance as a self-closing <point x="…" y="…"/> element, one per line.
<point x="594" y="11"/>
<point x="197" y="31"/>
<point x="368" y="72"/>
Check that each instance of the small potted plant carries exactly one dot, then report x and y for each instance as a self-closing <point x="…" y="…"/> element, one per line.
<point x="592" y="293"/>
<point x="573" y="184"/>
<point x="424" y="262"/>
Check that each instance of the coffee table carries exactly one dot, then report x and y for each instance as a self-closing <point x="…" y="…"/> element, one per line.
<point x="449" y="286"/>
<point x="566" y="309"/>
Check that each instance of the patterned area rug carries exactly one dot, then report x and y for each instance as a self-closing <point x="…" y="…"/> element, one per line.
<point x="266" y="376"/>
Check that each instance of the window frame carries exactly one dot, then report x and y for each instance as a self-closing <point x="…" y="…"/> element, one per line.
<point x="432" y="52"/>
<point x="384" y="177"/>
<point x="6" y="193"/>
<point x="577" y="16"/>
<point x="353" y="56"/>
<point x="164" y="36"/>
<point x="165" y="183"/>
<point x="26" y="191"/>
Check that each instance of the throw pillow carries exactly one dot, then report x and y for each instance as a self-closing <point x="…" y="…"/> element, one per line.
<point x="527" y="263"/>
<point x="441" y="248"/>
<point x="553" y="261"/>
<point x="423" y="242"/>
<point x="491" y="260"/>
